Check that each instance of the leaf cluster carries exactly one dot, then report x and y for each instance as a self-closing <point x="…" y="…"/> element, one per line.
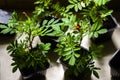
<point x="11" y="26"/>
<point x="24" y="57"/>
<point x="23" y="52"/>
<point x="82" y="17"/>
<point x="78" y="19"/>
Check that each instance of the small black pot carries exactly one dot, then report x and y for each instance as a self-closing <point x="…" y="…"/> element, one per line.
<point x="110" y="25"/>
<point x="69" y="72"/>
<point x="34" y="74"/>
<point x="85" y="75"/>
<point x="114" y="64"/>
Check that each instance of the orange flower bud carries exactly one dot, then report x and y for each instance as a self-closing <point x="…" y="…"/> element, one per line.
<point x="77" y="27"/>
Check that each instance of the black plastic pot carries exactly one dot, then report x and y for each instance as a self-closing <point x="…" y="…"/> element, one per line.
<point x="114" y="64"/>
<point x="85" y="74"/>
<point x="34" y="74"/>
<point x="110" y="25"/>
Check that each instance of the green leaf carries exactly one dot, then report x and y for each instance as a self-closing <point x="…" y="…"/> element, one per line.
<point x="56" y="27"/>
<point x="70" y="7"/>
<point x="76" y="8"/>
<point x="97" y="25"/>
<point x="101" y="2"/>
<point x="102" y="31"/>
<point x="56" y="21"/>
<point x="76" y="49"/>
<point x="95" y="34"/>
<point x="87" y="2"/>
<point x="37" y="2"/>
<point x="3" y="26"/>
<point x="95" y="74"/>
<point x="90" y="34"/>
<point x="54" y="33"/>
<point x="47" y="46"/>
<point x="14" y="69"/>
<point x="72" y="18"/>
<point x="106" y="13"/>
<point x="67" y="49"/>
<point x="79" y="6"/>
<point x="96" y="68"/>
<point x="5" y="31"/>
<point x="44" y="22"/>
<point x="71" y="1"/>
<point x="67" y="57"/>
<point x="77" y="55"/>
<point x="72" y="60"/>
<point x="13" y="64"/>
<point x="67" y="53"/>
<point x="75" y="1"/>
<point x="51" y="21"/>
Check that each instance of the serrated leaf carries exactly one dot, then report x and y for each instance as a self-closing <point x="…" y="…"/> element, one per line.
<point x="14" y="69"/>
<point x="47" y="46"/>
<point x="72" y="60"/>
<point x="90" y="35"/>
<point x="72" y="18"/>
<point x="5" y="31"/>
<point x="56" y="27"/>
<point x="54" y="33"/>
<point x="65" y="20"/>
<point x="79" y="6"/>
<point x="96" y="68"/>
<point x="76" y="49"/>
<point x="95" y="34"/>
<point x="94" y="26"/>
<point x="71" y="1"/>
<point x="106" y="13"/>
<point x="3" y="26"/>
<point x="76" y="8"/>
<point x="97" y="25"/>
<point x="56" y="21"/>
<point x="37" y="2"/>
<point x="70" y="6"/>
<point x="67" y="49"/>
<point x="77" y="55"/>
<point x="67" y="53"/>
<point x="44" y="22"/>
<point x="95" y="74"/>
<point x="75" y="1"/>
<point x="51" y="21"/>
<point x="67" y="57"/>
<point x="102" y="31"/>
<point x="101" y="2"/>
<point x="87" y="2"/>
<point x="13" y="64"/>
